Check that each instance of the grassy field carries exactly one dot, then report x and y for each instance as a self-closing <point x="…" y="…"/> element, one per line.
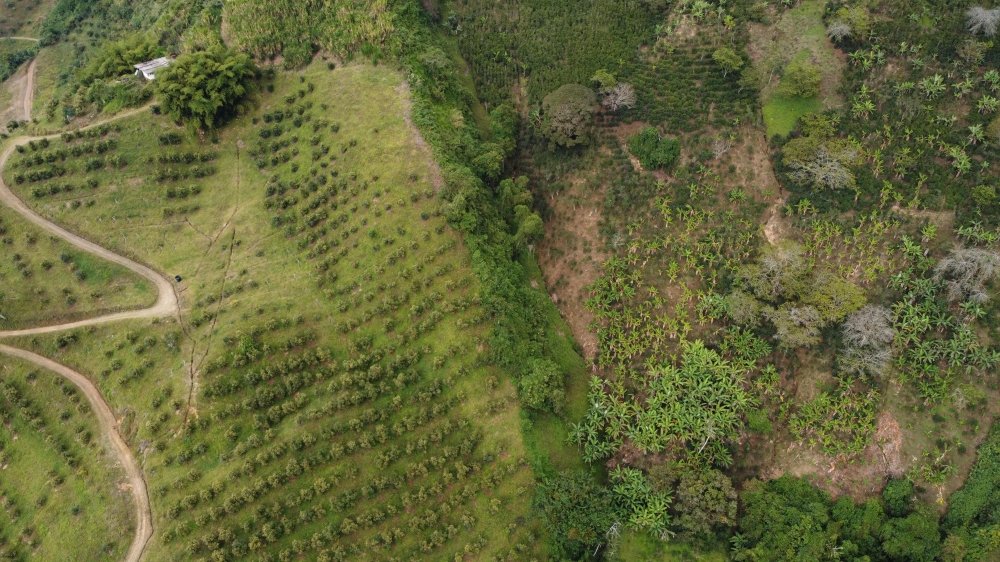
<point x="24" y="17"/>
<point x="59" y="490"/>
<point x="44" y="280"/>
<point x="798" y="34"/>
<point x="781" y="113"/>
<point x="341" y="403"/>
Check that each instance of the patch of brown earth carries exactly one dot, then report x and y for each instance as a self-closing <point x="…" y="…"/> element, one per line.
<point x="435" y="171"/>
<point x="755" y="173"/>
<point x="570" y="257"/>
<point x="860" y="478"/>
<point x="20" y="88"/>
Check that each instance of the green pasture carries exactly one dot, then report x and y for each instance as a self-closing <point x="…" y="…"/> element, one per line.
<point x="44" y="280"/>
<point x="60" y="489"/>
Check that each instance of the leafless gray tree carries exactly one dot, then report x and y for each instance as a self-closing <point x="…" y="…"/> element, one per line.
<point x="777" y="273"/>
<point x="720" y="146"/>
<point x="621" y="95"/>
<point x="825" y="170"/>
<point x="868" y="336"/>
<point x="839" y="30"/>
<point x="981" y="19"/>
<point x="870" y="326"/>
<point x="966" y="272"/>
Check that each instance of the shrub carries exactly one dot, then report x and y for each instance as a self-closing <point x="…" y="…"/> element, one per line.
<point x="652" y="150"/>
<point x="898" y="497"/>
<point x="801" y="79"/>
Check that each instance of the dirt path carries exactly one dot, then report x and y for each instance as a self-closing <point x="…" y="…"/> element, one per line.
<point x="166" y="305"/>
<point x="28" y="96"/>
<point x="166" y="302"/>
<point x="109" y="426"/>
<point x="21" y="38"/>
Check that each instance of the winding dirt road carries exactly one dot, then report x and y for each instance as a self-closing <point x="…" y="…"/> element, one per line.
<point x="108" y="424"/>
<point x="166" y="305"/>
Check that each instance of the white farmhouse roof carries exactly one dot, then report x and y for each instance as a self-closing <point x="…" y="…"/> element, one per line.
<point x="148" y="69"/>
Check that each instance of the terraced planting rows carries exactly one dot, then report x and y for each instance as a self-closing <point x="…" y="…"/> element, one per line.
<point x="56" y="468"/>
<point x="342" y="406"/>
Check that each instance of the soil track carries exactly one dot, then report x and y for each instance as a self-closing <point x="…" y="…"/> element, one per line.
<point x="166" y="305"/>
<point x="109" y="426"/>
<point x="28" y="97"/>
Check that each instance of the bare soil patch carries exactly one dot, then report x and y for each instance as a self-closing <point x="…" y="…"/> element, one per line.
<point x="436" y="178"/>
<point x="19" y="89"/>
<point x="570" y="257"/>
<point x="859" y="478"/>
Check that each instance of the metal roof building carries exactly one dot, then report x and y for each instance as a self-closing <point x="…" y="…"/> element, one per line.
<point x="148" y="69"/>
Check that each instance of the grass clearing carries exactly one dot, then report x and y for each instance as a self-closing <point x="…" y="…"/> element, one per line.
<point x="799" y="34"/>
<point x="342" y="402"/>
<point x="59" y="489"/>
<point x="781" y="113"/>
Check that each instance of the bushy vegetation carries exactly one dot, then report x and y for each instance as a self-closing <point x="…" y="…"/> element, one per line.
<point x="653" y="151"/>
<point x="296" y="29"/>
<point x="12" y="55"/>
<point x="204" y="89"/>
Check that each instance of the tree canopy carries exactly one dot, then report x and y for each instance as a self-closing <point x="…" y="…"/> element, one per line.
<point x="204" y="89"/>
<point x="117" y="58"/>
<point x="652" y="150"/>
<point x="578" y="512"/>
<point x="801" y="79"/>
<point x="568" y="115"/>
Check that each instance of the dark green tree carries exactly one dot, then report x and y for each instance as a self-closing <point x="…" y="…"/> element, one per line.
<point x="578" y="513"/>
<point x="205" y="89"/>
<point x="785" y="519"/>
<point x="914" y="538"/>
<point x="704" y="500"/>
<point x="652" y="150"/>
<point x="568" y="115"/>
<point x="117" y="58"/>
<point x="898" y="497"/>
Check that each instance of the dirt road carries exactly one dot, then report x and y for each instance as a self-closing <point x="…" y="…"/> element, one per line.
<point x="166" y="305"/>
<point x="109" y="426"/>
<point x="166" y="302"/>
<point x="28" y="95"/>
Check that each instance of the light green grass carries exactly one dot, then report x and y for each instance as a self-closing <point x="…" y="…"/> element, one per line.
<point x="44" y="280"/>
<point x="241" y="272"/>
<point x="781" y="113"/>
<point x="640" y="547"/>
<point x="52" y="509"/>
